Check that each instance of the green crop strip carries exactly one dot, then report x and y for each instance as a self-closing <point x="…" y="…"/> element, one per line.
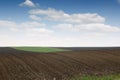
<point x="40" y="49"/>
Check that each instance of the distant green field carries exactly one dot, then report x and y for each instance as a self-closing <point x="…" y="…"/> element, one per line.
<point x="87" y="77"/>
<point x="40" y="49"/>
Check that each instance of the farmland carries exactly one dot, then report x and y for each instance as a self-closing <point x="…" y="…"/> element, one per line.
<point x="18" y="64"/>
<point x="39" y="49"/>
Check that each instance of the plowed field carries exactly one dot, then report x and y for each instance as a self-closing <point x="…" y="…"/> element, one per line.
<point x="22" y="65"/>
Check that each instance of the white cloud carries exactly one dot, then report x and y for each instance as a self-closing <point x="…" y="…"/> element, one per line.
<point x="86" y="29"/>
<point x="75" y="22"/>
<point x="14" y="29"/>
<point x="32" y="24"/>
<point x="64" y="41"/>
<point x="58" y="15"/>
<point x="37" y="32"/>
<point x="6" y="23"/>
<point x="34" y="17"/>
<point x="28" y="3"/>
<point x="29" y="28"/>
<point x="96" y="27"/>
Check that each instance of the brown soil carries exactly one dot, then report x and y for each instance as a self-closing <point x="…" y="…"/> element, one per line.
<point x="21" y="65"/>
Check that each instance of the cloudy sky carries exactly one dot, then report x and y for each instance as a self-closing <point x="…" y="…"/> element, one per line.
<point x="68" y="23"/>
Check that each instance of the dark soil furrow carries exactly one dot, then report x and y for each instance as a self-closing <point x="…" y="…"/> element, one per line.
<point x="23" y="65"/>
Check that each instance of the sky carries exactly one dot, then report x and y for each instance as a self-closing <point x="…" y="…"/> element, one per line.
<point x="60" y="23"/>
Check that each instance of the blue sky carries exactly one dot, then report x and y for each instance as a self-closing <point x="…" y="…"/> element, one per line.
<point x="59" y="23"/>
<point x="105" y="8"/>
